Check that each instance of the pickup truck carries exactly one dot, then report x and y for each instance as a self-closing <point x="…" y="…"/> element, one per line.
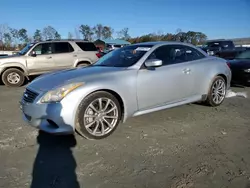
<point x="215" y="46"/>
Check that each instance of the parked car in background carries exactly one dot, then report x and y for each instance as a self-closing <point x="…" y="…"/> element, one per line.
<point x="43" y="57"/>
<point x="111" y="47"/>
<point x="130" y="81"/>
<point x="240" y="68"/>
<point x="231" y="54"/>
<point x="215" y="46"/>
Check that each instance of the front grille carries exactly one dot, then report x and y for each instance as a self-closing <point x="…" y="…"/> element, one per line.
<point x="29" y="96"/>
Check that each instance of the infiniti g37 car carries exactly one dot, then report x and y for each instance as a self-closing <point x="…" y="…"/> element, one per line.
<point x="130" y="81"/>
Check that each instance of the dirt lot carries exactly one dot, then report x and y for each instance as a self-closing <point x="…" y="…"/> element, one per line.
<point x="184" y="147"/>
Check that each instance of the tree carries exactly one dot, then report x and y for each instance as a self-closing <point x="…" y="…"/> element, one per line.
<point x="3" y="29"/>
<point x="22" y="35"/>
<point x="7" y="39"/>
<point x="70" y="36"/>
<point x="15" y="36"/>
<point x="86" y="31"/>
<point x="107" y="32"/>
<point x="124" y="34"/>
<point x="98" y="31"/>
<point x="37" y="35"/>
<point x="77" y="35"/>
<point x="49" y="33"/>
<point x="57" y="35"/>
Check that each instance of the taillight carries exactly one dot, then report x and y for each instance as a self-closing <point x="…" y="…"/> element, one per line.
<point x="228" y="64"/>
<point x="98" y="55"/>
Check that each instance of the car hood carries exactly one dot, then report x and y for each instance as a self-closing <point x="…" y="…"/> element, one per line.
<point x="9" y="58"/>
<point x="55" y="79"/>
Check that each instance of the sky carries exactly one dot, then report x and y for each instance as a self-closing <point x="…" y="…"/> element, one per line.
<point x="215" y="18"/>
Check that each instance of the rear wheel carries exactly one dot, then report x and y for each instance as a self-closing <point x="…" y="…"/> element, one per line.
<point x="217" y="92"/>
<point x="98" y="115"/>
<point x="13" y="77"/>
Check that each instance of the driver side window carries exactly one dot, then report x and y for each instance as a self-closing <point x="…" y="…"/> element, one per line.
<point x="174" y="54"/>
<point x="168" y="54"/>
<point x="43" y="49"/>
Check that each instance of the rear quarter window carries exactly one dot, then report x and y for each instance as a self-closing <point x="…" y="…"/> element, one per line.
<point x="86" y="46"/>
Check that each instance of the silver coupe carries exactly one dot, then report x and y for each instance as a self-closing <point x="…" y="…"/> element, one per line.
<point x="130" y="81"/>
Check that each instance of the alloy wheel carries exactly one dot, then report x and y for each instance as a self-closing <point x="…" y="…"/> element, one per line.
<point x="101" y="116"/>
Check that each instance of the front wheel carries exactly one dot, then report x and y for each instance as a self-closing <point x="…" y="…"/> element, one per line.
<point x="217" y="92"/>
<point x="98" y="115"/>
<point x="13" y="77"/>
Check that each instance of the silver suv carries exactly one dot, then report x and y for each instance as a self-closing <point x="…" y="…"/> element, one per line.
<point x="42" y="57"/>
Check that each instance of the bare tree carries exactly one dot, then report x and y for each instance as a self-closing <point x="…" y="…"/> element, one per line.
<point x="124" y="34"/>
<point x="3" y="29"/>
<point x="70" y="35"/>
<point x="98" y="30"/>
<point x="49" y="33"/>
<point x="77" y="34"/>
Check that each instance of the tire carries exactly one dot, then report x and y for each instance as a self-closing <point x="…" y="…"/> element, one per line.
<point x="19" y="75"/>
<point x="210" y="101"/>
<point x="84" y="110"/>
<point x="82" y="65"/>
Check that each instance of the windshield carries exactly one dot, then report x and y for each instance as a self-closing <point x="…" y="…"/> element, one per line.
<point x="123" y="57"/>
<point x="243" y="55"/>
<point x="26" y="49"/>
<point x="212" y="44"/>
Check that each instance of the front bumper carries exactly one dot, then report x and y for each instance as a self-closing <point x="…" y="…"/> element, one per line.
<point x="51" y="118"/>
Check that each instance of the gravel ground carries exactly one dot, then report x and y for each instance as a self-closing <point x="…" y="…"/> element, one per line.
<point x="183" y="147"/>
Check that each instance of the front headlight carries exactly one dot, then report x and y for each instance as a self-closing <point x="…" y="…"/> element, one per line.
<point x="247" y="70"/>
<point x="58" y="94"/>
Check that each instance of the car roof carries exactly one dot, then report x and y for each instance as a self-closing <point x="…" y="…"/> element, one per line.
<point x="65" y="40"/>
<point x="154" y="43"/>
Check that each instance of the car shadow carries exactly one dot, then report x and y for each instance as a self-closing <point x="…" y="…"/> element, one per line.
<point x="55" y="165"/>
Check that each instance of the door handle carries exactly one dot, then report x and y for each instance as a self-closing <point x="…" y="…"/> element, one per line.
<point x="48" y="57"/>
<point x="186" y="71"/>
<point x="74" y="55"/>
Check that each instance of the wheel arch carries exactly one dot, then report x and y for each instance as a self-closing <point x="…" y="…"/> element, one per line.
<point x="15" y="67"/>
<point x="204" y="97"/>
<point x="224" y="77"/>
<point x="82" y="61"/>
<point x="112" y="92"/>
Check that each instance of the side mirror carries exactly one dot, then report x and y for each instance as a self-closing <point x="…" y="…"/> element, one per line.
<point x="33" y="54"/>
<point x="153" y="63"/>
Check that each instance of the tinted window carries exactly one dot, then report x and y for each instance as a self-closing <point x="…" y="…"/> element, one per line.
<point x="87" y="46"/>
<point x="244" y="55"/>
<point x="192" y="54"/>
<point x="172" y="54"/>
<point x="43" y="49"/>
<point x="123" y="57"/>
<point x="227" y="44"/>
<point x="62" y="47"/>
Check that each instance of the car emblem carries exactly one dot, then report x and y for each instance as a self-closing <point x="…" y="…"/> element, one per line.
<point x="26" y="95"/>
